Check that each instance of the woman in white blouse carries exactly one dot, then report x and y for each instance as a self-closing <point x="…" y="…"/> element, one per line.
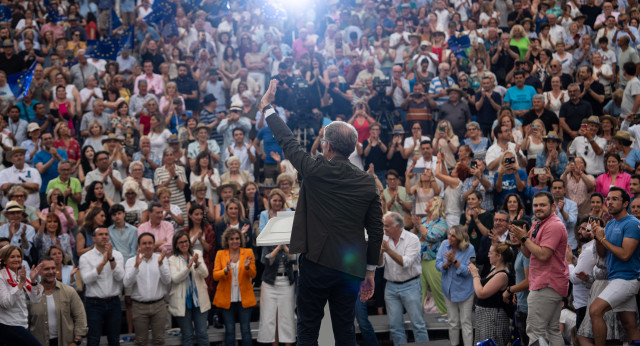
<point x="602" y="73"/>
<point x="158" y="135"/>
<point x="556" y="97"/>
<point x="189" y="299"/>
<point x="15" y="287"/>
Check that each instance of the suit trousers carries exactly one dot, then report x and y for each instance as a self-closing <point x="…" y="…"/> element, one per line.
<point x="149" y="316"/>
<point x="316" y="285"/>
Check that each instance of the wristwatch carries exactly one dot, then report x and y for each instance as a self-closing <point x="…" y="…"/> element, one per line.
<point x="524" y="239"/>
<point x="111" y="259"/>
<point x="508" y="289"/>
<point x="265" y="108"/>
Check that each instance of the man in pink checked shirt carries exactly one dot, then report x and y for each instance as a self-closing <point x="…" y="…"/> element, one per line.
<point x="161" y="230"/>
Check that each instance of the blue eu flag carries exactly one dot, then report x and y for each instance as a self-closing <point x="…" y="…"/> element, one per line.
<point x="20" y="82"/>
<point x="52" y="11"/>
<point x="161" y="10"/>
<point x="115" y="21"/>
<point x="5" y="13"/>
<point x="106" y="49"/>
<point x="126" y="40"/>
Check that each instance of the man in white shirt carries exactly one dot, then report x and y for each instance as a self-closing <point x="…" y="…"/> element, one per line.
<point x="399" y="89"/>
<point x="400" y="256"/>
<point x="427" y="161"/>
<point x="90" y="94"/>
<point x="580" y="269"/>
<point x="148" y="275"/>
<point x="501" y="145"/>
<point x="18" y="233"/>
<point x="102" y="270"/>
<point x="590" y="147"/>
<point x="556" y="31"/>
<point x="245" y="152"/>
<point x="110" y="178"/>
<point x="21" y="174"/>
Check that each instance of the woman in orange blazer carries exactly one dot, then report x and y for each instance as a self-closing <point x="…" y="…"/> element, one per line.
<point x="234" y="269"/>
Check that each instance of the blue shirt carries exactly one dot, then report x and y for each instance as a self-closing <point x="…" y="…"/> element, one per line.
<point x="615" y="232"/>
<point x="125" y="242"/>
<point x="270" y="144"/>
<point x="26" y="112"/>
<point x="632" y="158"/>
<point x="571" y="208"/>
<point x="15" y="240"/>
<point x="51" y="173"/>
<point x="456" y="283"/>
<point x="520" y="99"/>
<point x="509" y="185"/>
<point x="519" y="266"/>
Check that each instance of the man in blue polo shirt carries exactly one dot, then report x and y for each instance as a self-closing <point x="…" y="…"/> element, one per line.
<point x="46" y="162"/>
<point x="520" y="95"/>
<point x="618" y="241"/>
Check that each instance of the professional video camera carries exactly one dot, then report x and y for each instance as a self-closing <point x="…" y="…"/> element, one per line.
<point x="381" y="83"/>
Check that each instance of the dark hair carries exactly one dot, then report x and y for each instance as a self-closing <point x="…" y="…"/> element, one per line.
<point x="91" y="194"/>
<point x="603" y="39"/>
<point x="588" y="218"/>
<point x="476" y="193"/>
<point x="226" y="55"/>
<point x="49" y="258"/>
<point x="89" y="225"/>
<point x="84" y="162"/>
<point x="518" y="73"/>
<point x="3" y="239"/>
<point x="545" y="194"/>
<point x="611" y="154"/>
<point x="623" y="192"/>
<point x="629" y="67"/>
<point x="152" y="205"/>
<point x="597" y="194"/>
<point x="198" y="170"/>
<point x="635" y="176"/>
<point x="116" y="208"/>
<point x="195" y="206"/>
<point x="176" y="236"/>
<point x="497" y="130"/>
<point x="558" y="180"/>
<point x="393" y="173"/>
<point x="426" y="141"/>
<point x="146" y="234"/>
<point x="57" y="219"/>
<point x="95" y="156"/>
<point x="506" y="200"/>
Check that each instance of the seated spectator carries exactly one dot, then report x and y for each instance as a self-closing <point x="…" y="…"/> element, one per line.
<point x="18" y="194"/>
<point x="537" y="182"/>
<point x="96" y="218"/>
<point x="552" y="156"/>
<point x="234" y="174"/>
<point x="622" y="142"/>
<point x="135" y="209"/>
<point x="50" y="233"/>
<point x="59" y="207"/>
<point x="66" y="272"/>
<point x="171" y="212"/>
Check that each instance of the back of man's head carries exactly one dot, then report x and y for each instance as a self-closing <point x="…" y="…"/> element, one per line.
<point x="342" y="137"/>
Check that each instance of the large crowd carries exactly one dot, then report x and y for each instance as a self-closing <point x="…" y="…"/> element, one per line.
<point x="504" y="138"/>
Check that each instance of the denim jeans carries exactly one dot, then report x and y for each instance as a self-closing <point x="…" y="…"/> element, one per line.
<point x="368" y="334"/>
<point x="407" y="296"/>
<point x="186" y="323"/>
<point x="318" y="284"/>
<point x="101" y="312"/>
<point x="16" y="335"/>
<point x="234" y="313"/>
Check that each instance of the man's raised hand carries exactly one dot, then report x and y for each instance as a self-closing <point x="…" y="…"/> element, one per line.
<point x="270" y="95"/>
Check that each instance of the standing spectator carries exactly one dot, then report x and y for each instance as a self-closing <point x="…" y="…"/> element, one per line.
<point x="552" y="155"/>
<point x="619" y="243"/>
<point x="452" y="261"/>
<point x="582" y="268"/>
<point x="234" y="269"/>
<point x="202" y="144"/>
<point x="491" y="319"/>
<point x="452" y="188"/>
<point x="573" y="112"/>
<point x="68" y="314"/>
<point x="400" y="255"/>
<point x="455" y="111"/>
<point x="188" y="88"/>
<point x="172" y="176"/>
<point x="16" y="290"/>
<point x="162" y="230"/>
<point x="631" y="93"/>
<point x="17" y="126"/>
<point x="439" y="85"/>
<point x="424" y="190"/>
<point x="46" y="162"/>
<point x="155" y="85"/>
<point x="627" y="54"/>
<point x="432" y="230"/>
<point x="105" y="173"/>
<point x="395" y="195"/>
<point x="375" y="151"/>
<point x="590" y="146"/>
<point x="566" y="210"/>
<point x="520" y="289"/>
<point x="475" y="140"/>
<point x="81" y="71"/>
<point x="487" y="103"/>
<point x="519" y="96"/>
<point x="446" y="140"/>
<point x="148" y="275"/>
<point x="102" y="270"/>
<point x="545" y="245"/>
<point x="189" y="300"/>
<point x="579" y="185"/>
<point x="20" y="174"/>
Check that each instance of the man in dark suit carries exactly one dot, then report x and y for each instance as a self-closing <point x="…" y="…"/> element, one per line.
<point x="337" y="202"/>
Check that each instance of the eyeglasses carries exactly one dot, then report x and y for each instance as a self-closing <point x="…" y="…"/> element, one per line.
<point x="500" y="220"/>
<point x="392" y="179"/>
<point x="183" y="242"/>
<point x="22" y="196"/>
<point x="463" y="79"/>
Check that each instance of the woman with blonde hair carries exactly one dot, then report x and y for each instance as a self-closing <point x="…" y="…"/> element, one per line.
<point x="65" y="270"/>
<point x="199" y="197"/>
<point x="432" y="231"/>
<point x="452" y="260"/>
<point x="136" y="169"/>
<point x="285" y="182"/>
<point x="96" y="135"/>
<point x="158" y="133"/>
<point x="445" y="141"/>
<point x="166" y="102"/>
<point x="519" y="39"/>
<point x="64" y="141"/>
<point x="424" y="190"/>
<point x="533" y="142"/>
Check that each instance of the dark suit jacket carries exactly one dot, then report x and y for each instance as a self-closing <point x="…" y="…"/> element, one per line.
<point x="337" y="201"/>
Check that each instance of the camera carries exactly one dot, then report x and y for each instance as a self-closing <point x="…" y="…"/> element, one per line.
<point x="379" y="83"/>
<point x="474" y="164"/>
<point x="537" y="171"/>
<point x="509" y="160"/>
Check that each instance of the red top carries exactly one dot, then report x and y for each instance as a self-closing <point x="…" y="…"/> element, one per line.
<point x="554" y="272"/>
<point x="362" y="127"/>
<point x="73" y="150"/>
<point x="145" y="119"/>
